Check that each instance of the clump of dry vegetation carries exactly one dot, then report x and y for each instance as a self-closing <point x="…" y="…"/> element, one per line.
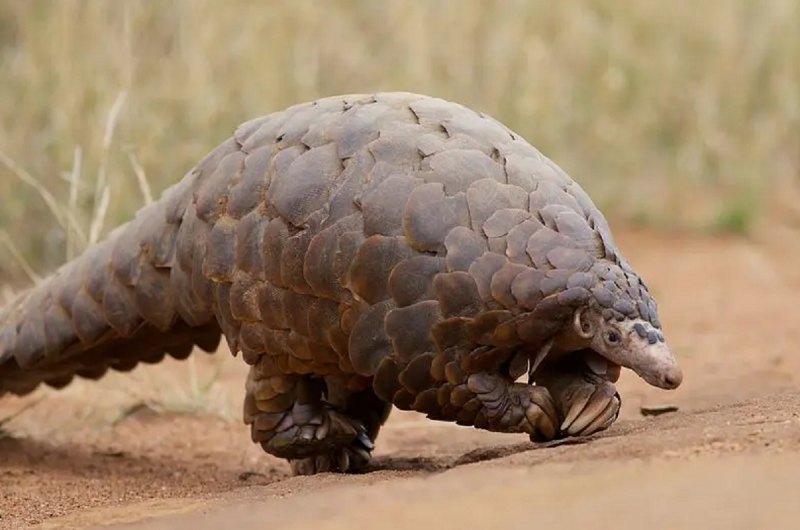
<point x="679" y="113"/>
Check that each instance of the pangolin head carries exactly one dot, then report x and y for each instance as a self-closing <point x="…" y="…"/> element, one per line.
<point x="619" y="322"/>
<point x="612" y="322"/>
<point x="632" y="343"/>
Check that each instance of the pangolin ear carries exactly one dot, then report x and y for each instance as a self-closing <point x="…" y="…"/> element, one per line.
<point x="583" y="327"/>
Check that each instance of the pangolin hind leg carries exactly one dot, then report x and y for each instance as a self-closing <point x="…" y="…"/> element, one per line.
<point x="363" y="409"/>
<point x="368" y="408"/>
<point x="292" y="418"/>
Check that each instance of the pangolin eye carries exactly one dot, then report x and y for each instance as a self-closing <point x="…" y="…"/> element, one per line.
<point x="613" y="337"/>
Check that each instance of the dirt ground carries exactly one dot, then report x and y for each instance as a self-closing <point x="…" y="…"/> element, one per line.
<point x="729" y="457"/>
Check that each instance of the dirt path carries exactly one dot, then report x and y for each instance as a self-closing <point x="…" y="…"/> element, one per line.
<point x="728" y="458"/>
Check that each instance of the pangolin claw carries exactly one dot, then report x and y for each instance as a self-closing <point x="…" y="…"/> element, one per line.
<point x="542" y="415"/>
<point x="577" y="403"/>
<point x="348" y="458"/>
<point x="587" y="405"/>
<point x="601" y="406"/>
<point x="604" y="419"/>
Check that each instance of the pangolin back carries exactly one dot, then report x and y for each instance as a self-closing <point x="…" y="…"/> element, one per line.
<point x="336" y="230"/>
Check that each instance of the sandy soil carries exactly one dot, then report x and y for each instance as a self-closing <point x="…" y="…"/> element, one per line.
<point x="729" y="457"/>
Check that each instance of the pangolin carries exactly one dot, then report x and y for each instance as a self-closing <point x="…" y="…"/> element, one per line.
<point x="361" y="252"/>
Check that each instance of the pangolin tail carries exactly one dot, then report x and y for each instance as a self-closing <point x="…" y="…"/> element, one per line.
<point x="136" y="296"/>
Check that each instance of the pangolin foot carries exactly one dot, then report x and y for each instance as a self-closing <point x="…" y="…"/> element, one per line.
<point x="587" y="405"/>
<point x="351" y="458"/>
<point x="326" y="441"/>
<point x="515" y="407"/>
<point x="587" y="401"/>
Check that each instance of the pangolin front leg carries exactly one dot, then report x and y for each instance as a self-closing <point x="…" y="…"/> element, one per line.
<point x="487" y="400"/>
<point x="513" y="407"/>
<point x="587" y="402"/>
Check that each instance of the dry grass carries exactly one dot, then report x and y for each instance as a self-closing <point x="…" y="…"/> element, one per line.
<point x="680" y="113"/>
<point x="684" y="114"/>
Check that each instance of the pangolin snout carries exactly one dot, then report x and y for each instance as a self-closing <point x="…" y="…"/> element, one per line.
<point x="648" y="355"/>
<point x="668" y="376"/>
<point x="671" y="379"/>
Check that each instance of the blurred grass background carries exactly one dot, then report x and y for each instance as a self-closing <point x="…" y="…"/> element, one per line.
<point x="678" y="114"/>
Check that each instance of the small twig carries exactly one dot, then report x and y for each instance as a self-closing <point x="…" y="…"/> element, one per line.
<point x="99" y="217"/>
<point x="18" y="413"/>
<point x="134" y="409"/>
<point x="141" y="177"/>
<point x="108" y="136"/>
<point x="194" y="386"/>
<point x="214" y="377"/>
<point x="74" y="186"/>
<point x="19" y="258"/>
<point x="6" y="295"/>
<point x="63" y="218"/>
<point x="657" y="410"/>
<point x="102" y="193"/>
